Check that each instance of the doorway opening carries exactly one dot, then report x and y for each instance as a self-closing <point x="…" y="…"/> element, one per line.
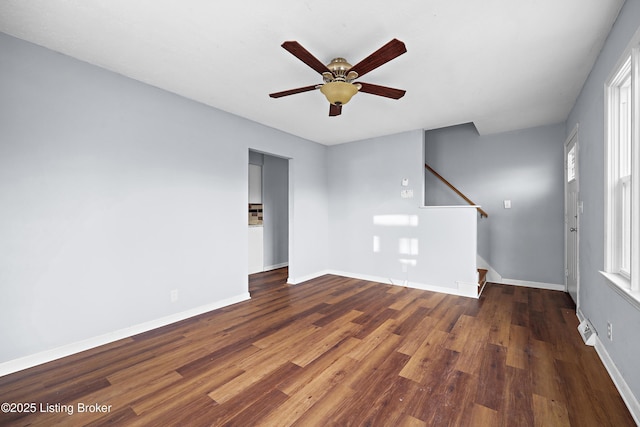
<point x="268" y="212"/>
<point x="571" y="215"/>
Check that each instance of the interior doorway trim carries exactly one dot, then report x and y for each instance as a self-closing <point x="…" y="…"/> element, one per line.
<point x="572" y="211"/>
<point x="274" y="209"/>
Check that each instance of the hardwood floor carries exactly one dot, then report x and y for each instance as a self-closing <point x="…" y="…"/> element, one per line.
<point x="338" y="352"/>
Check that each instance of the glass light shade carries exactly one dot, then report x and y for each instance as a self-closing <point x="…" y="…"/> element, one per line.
<point x="338" y="93"/>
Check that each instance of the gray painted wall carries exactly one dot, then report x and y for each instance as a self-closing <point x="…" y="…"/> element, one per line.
<point x="598" y="301"/>
<point x="256" y="158"/>
<point x="364" y="180"/>
<point x="364" y="183"/>
<point x="113" y="193"/>
<point x="525" y="242"/>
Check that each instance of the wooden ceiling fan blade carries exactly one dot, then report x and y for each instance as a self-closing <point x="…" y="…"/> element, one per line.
<point x="305" y="56"/>
<point x="293" y="91"/>
<point x="386" y="53"/>
<point x="385" y="91"/>
<point x="335" y="110"/>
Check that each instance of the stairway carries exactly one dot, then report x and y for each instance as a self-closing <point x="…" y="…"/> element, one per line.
<point x="482" y="279"/>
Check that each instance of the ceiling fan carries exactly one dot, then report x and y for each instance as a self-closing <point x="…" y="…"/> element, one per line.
<point x="339" y="76"/>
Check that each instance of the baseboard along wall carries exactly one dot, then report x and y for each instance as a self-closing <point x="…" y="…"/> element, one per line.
<point x="30" y="361"/>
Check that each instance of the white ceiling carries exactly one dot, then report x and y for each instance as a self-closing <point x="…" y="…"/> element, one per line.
<point x="501" y="64"/>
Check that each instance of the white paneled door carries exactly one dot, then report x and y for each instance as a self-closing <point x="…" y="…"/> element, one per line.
<point x="571" y="215"/>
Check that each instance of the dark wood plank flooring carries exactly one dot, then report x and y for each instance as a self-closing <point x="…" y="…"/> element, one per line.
<point x="338" y="352"/>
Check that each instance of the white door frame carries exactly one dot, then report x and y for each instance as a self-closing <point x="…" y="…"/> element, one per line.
<point x="570" y="222"/>
<point x="289" y="203"/>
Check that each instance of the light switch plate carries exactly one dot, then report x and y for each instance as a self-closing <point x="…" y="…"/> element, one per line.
<point x="507" y="204"/>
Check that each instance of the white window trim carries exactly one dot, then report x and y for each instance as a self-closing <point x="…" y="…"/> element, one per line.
<point x="627" y="286"/>
<point x="612" y="172"/>
<point x="635" y="169"/>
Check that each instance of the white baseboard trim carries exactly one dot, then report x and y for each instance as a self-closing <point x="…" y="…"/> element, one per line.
<point x="275" y="266"/>
<point x="464" y="289"/>
<point x="494" y="277"/>
<point x="623" y="388"/>
<point x="298" y="280"/>
<point x="468" y="289"/>
<point x="19" y="364"/>
<point x="529" y="284"/>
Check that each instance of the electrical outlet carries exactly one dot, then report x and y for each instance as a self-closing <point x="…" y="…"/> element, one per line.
<point x="610" y="331"/>
<point x="174" y="295"/>
<point x="406" y="194"/>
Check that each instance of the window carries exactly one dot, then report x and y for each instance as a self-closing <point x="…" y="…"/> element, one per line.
<point x="621" y="198"/>
<point x="619" y="171"/>
<point x="571" y="164"/>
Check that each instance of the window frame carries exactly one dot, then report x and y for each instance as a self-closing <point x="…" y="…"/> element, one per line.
<point x="625" y="278"/>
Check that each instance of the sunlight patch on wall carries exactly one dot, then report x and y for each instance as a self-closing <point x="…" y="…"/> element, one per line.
<point x="408" y="246"/>
<point x="376" y="244"/>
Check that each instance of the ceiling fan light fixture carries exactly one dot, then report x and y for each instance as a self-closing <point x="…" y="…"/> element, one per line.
<point x="339" y="76"/>
<point x="338" y="93"/>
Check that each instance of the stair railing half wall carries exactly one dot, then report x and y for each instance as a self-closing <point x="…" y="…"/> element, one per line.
<point x="483" y="214"/>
